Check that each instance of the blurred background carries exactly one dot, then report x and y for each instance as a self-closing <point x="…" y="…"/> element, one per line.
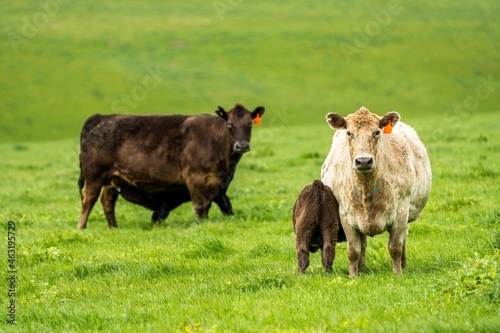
<point x="64" y="60"/>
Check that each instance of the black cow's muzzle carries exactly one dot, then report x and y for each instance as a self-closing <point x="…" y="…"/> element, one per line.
<point x="241" y="147"/>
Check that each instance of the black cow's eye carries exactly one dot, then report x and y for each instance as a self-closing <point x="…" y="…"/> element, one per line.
<point x="230" y="124"/>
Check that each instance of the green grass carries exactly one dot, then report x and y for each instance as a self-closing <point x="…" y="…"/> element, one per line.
<point x="238" y="274"/>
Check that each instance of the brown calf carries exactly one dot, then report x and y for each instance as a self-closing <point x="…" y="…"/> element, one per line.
<point x="316" y="224"/>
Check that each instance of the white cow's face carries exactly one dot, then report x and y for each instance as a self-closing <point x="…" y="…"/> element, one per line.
<point x="363" y="130"/>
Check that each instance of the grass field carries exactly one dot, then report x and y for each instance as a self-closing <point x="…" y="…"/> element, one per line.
<point x="435" y="63"/>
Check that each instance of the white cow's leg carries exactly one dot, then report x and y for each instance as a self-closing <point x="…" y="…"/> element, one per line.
<point x="353" y="251"/>
<point x="362" y="260"/>
<point x="403" y="256"/>
<point x="397" y="247"/>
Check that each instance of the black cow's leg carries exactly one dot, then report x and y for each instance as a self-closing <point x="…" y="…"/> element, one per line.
<point x="89" y="197"/>
<point x="108" y="200"/>
<point x="201" y="194"/>
<point x="168" y="202"/>
<point x="161" y="215"/>
<point x="224" y="204"/>
<point x="201" y="209"/>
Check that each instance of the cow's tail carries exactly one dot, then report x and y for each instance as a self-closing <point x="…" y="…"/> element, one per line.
<point x="90" y="123"/>
<point x="81" y="179"/>
<point x="318" y="199"/>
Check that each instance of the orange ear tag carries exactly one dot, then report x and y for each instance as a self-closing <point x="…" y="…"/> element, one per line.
<point x="257" y="120"/>
<point x="388" y="127"/>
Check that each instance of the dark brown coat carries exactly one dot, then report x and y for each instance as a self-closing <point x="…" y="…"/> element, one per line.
<point x="147" y="155"/>
<point x="316" y="224"/>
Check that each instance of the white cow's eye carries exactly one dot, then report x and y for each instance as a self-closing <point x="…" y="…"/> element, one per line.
<point x="349" y="134"/>
<point x="376" y="133"/>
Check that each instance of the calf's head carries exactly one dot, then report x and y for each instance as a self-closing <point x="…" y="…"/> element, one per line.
<point x="239" y="121"/>
<point x="363" y="130"/>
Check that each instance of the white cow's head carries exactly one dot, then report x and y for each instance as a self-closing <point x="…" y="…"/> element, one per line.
<point x="363" y="130"/>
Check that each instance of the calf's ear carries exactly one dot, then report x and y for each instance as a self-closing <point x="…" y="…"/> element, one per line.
<point x="393" y="117"/>
<point x="221" y="113"/>
<point x="258" y="111"/>
<point x="336" y="121"/>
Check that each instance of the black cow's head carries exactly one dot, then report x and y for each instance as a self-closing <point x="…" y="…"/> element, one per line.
<point x="239" y="121"/>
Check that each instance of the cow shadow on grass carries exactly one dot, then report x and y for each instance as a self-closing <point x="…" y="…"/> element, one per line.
<point x="182" y="222"/>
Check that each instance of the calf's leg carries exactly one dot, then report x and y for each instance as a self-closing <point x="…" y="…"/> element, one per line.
<point x="303" y="234"/>
<point x="302" y="247"/>
<point x="302" y="259"/>
<point x="168" y="202"/>
<point x="327" y="256"/>
<point x="328" y="250"/>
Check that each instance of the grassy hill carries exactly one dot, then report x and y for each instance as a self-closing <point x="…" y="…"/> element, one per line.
<point x="434" y="62"/>
<point x="62" y="64"/>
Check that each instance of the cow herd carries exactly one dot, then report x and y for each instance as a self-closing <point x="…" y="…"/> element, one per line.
<point x="376" y="177"/>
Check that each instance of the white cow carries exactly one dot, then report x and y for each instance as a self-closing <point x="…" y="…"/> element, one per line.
<point x="382" y="181"/>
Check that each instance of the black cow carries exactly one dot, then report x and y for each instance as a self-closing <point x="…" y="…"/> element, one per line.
<point x="161" y="161"/>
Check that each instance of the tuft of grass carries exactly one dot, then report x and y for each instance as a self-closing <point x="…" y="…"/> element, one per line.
<point x="477" y="277"/>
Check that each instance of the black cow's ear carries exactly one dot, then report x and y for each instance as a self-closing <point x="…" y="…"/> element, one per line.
<point x="221" y="113"/>
<point x="258" y="111"/>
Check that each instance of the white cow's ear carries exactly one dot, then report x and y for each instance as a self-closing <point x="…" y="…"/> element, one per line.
<point x="336" y="121"/>
<point x="393" y="117"/>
